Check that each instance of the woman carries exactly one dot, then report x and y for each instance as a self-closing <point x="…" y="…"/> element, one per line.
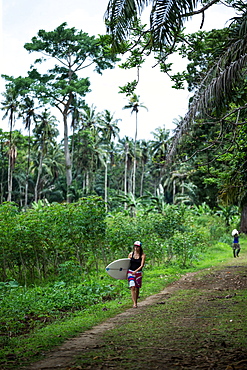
<point x="235" y="243"/>
<point x="137" y="260"/>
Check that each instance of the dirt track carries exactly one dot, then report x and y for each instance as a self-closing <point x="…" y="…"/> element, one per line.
<point x="230" y="278"/>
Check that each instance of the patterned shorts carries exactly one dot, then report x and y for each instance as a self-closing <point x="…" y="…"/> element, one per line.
<point x="135" y="280"/>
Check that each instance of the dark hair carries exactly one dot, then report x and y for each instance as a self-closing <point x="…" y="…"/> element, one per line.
<point x="141" y="250"/>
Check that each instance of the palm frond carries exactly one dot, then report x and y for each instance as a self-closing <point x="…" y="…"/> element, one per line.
<point x="216" y="88"/>
<point x="120" y="16"/>
<point x="166" y="18"/>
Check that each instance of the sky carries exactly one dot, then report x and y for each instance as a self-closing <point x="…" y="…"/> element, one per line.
<point x="22" y="19"/>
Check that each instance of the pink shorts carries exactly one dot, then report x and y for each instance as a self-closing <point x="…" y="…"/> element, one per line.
<point x="135" y="280"/>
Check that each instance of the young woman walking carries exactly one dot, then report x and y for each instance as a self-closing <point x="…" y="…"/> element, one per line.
<point x="137" y="261"/>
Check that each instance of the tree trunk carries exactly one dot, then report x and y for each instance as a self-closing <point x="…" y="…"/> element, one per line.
<point x="134" y="177"/>
<point x="10" y="177"/>
<point x="243" y="223"/>
<point x="173" y="191"/>
<point x="142" y="180"/>
<point x="10" y="162"/>
<point x="106" y="186"/>
<point x="134" y="169"/>
<point x="38" y="178"/>
<point x="67" y="155"/>
<point x="87" y="182"/>
<point x="125" y="172"/>
<point x="28" y="166"/>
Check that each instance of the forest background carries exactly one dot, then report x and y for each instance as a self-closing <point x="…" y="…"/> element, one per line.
<point x="96" y="160"/>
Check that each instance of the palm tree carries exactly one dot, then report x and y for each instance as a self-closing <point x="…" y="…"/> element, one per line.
<point x="109" y="129"/>
<point x="3" y="165"/>
<point x="109" y="126"/>
<point x="158" y="152"/>
<point x="89" y="117"/>
<point x="52" y="182"/>
<point x="134" y="104"/>
<point x="144" y="158"/>
<point x="10" y="106"/>
<point x="125" y="148"/>
<point x="16" y="176"/>
<point x="28" y="113"/>
<point x="76" y="112"/>
<point x="45" y="133"/>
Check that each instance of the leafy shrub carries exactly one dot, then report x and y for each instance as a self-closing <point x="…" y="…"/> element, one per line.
<point x="187" y="246"/>
<point x="36" y="242"/>
<point x="23" y="308"/>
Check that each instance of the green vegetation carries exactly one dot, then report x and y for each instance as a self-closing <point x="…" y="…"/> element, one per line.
<point x="52" y="265"/>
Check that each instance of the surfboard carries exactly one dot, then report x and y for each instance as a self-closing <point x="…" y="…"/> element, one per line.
<point x="118" y="269"/>
<point x="234" y="232"/>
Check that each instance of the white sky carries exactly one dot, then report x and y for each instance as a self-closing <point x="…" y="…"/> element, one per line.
<point x="22" y="19"/>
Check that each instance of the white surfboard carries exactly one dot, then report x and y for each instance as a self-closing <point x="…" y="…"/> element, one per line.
<point x="234" y="232"/>
<point x="118" y="269"/>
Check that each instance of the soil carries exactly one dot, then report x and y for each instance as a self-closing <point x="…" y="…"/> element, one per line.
<point x="174" y="347"/>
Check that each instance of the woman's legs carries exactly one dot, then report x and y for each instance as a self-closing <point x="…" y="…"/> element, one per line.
<point x="137" y="293"/>
<point x="135" y="282"/>
<point x="134" y="295"/>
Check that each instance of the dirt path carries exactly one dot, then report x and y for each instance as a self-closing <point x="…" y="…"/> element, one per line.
<point x="63" y="356"/>
<point x="228" y="278"/>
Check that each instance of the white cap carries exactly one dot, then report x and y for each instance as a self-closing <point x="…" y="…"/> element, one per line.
<point x="138" y="243"/>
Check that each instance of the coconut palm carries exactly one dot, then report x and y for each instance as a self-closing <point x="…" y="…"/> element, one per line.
<point x="144" y="153"/>
<point x="76" y="113"/>
<point x="134" y="104"/>
<point x="109" y="126"/>
<point x="10" y="106"/>
<point x="45" y="133"/>
<point x="29" y="115"/>
<point x="89" y="117"/>
<point x="109" y="130"/>
<point x="220" y="84"/>
<point x="51" y="182"/>
<point x="125" y="150"/>
<point x="158" y="152"/>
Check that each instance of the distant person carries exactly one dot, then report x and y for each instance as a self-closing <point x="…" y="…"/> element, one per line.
<point x="137" y="260"/>
<point x="235" y="244"/>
